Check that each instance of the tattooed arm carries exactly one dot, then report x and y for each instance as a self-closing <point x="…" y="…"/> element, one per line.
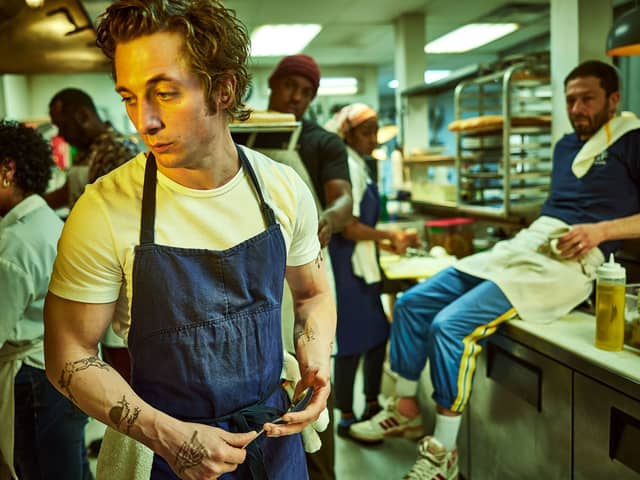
<point x="314" y="329"/>
<point x="72" y="333"/>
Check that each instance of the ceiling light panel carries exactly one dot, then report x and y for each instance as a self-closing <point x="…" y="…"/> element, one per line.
<point x="338" y="86"/>
<point x="277" y="40"/>
<point x="469" y="37"/>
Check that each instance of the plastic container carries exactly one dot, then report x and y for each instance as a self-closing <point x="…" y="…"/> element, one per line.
<point x="610" y="304"/>
<point x="454" y="234"/>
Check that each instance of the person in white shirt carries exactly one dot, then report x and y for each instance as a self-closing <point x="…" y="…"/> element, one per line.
<point x="42" y="432"/>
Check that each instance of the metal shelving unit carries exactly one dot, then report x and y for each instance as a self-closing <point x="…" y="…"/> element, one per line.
<point x="504" y="166"/>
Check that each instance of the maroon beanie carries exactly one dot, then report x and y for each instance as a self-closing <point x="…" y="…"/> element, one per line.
<point x="300" y="64"/>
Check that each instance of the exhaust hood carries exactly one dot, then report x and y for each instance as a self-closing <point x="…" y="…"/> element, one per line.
<point x="58" y="37"/>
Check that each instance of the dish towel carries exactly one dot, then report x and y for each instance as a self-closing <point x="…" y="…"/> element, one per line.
<point x="291" y="375"/>
<point x="609" y="133"/>
<point x="123" y="458"/>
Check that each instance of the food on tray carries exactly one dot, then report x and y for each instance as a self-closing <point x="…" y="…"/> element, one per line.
<point x="491" y="122"/>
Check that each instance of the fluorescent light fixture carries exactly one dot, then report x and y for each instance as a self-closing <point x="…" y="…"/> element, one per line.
<point x="469" y="37"/>
<point x="338" y="86"/>
<point x="430" y="76"/>
<point x="276" y="40"/>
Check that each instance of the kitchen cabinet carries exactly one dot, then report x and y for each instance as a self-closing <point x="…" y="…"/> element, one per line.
<point x="606" y="432"/>
<point x="547" y="404"/>
<point x="520" y="415"/>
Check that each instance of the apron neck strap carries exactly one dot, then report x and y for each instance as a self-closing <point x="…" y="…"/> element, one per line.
<point x="147" y="222"/>
<point x="267" y="211"/>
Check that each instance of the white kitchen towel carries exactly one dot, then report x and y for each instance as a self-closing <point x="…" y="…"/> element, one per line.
<point x="364" y="259"/>
<point x="541" y="288"/>
<point x="123" y="458"/>
<point x="608" y="134"/>
<point x="310" y="438"/>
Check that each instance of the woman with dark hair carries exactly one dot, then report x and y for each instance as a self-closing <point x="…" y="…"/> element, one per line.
<point x="44" y="436"/>
<point x="362" y="329"/>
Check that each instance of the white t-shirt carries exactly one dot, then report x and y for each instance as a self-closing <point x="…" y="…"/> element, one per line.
<point x="96" y="250"/>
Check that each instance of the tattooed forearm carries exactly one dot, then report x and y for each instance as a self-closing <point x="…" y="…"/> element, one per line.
<point x="319" y="259"/>
<point x="72" y="367"/>
<point x="190" y="454"/>
<point x="122" y="416"/>
<point x="305" y="336"/>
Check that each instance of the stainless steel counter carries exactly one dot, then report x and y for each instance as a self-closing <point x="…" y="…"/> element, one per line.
<point x="570" y="341"/>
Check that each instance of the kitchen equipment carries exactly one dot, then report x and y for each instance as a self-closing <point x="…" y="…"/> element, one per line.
<point x="610" y="305"/>
<point x="454" y="234"/>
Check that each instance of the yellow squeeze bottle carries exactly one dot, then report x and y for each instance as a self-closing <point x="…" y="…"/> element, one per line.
<point x="610" y="290"/>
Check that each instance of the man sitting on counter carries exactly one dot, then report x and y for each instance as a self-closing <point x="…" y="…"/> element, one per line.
<point x="594" y="203"/>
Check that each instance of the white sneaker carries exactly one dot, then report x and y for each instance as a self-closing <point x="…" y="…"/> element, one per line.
<point x="387" y="423"/>
<point x="434" y="462"/>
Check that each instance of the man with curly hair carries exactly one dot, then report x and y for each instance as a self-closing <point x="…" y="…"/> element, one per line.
<point x="194" y="241"/>
<point x="42" y="431"/>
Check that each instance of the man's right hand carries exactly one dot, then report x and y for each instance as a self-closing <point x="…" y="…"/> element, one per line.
<point x="206" y="452"/>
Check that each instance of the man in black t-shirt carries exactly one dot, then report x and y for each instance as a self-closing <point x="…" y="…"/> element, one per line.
<point x="294" y="83"/>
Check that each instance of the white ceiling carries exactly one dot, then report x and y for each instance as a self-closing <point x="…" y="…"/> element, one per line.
<point x="360" y="32"/>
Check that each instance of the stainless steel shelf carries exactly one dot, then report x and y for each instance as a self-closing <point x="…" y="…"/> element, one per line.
<point x="506" y="167"/>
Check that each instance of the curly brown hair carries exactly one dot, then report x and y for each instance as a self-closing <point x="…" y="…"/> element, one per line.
<point x="216" y="41"/>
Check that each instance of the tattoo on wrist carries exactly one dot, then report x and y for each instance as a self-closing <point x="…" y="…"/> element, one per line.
<point x="190" y="454"/>
<point x="305" y="336"/>
<point x="72" y="367"/>
<point x="122" y="416"/>
<point x="319" y="259"/>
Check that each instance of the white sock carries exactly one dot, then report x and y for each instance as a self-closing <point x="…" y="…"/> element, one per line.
<point x="446" y="431"/>
<point x="405" y="387"/>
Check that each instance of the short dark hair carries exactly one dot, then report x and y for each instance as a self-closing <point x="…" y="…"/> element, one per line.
<point x="216" y="42"/>
<point x="607" y="74"/>
<point x="72" y="99"/>
<point x="31" y="154"/>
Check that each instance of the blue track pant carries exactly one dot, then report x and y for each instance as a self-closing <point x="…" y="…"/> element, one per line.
<point x="446" y="320"/>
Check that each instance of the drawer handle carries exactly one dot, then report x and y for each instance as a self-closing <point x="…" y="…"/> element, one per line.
<point x="516" y="375"/>
<point x="624" y="438"/>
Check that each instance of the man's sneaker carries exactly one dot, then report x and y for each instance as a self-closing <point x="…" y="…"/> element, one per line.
<point x="387" y="423"/>
<point x="434" y="462"/>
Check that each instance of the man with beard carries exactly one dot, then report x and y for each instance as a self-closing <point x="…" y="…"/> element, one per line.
<point x="594" y="199"/>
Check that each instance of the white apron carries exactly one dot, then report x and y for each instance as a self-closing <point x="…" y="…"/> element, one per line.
<point x="11" y="357"/>
<point x="540" y="288"/>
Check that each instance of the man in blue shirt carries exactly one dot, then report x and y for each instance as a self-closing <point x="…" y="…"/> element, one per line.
<point x="595" y="197"/>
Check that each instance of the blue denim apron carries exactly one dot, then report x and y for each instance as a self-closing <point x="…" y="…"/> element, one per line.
<point x="362" y="323"/>
<point x="205" y="337"/>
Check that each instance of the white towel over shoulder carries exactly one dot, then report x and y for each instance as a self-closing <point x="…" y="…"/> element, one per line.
<point x="608" y="134"/>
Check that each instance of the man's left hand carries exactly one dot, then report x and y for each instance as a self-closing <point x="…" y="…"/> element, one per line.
<point x="296" y="421"/>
